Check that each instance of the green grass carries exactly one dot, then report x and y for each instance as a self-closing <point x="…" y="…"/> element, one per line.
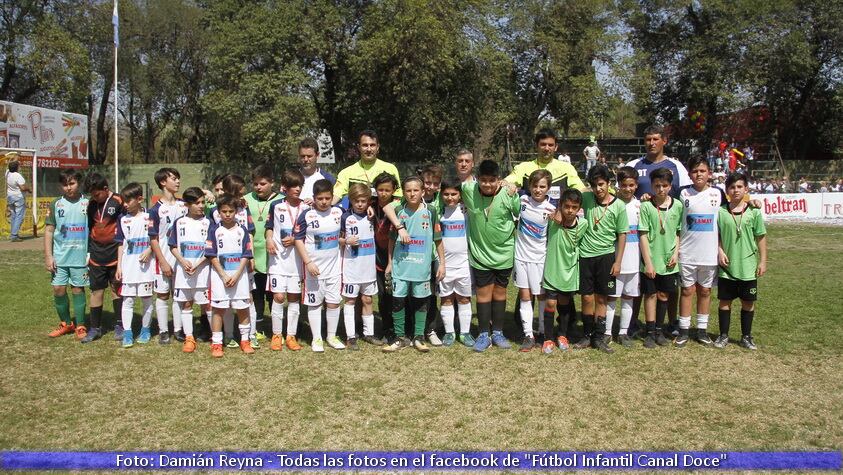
<point x="788" y="395"/>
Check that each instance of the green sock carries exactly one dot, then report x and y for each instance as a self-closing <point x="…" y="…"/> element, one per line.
<point x="63" y="307"/>
<point x="420" y="323"/>
<point x="79" y="308"/>
<point x="398" y="318"/>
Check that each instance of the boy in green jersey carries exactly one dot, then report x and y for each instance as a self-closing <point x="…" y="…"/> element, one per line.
<point x="66" y="255"/>
<point x="258" y="202"/>
<point x="562" y="266"/>
<point x="742" y="259"/>
<point x="410" y="262"/>
<point x="658" y="233"/>
<point x="601" y="253"/>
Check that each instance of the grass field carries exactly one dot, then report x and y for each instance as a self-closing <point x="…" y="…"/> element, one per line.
<point x="789" y="394"/>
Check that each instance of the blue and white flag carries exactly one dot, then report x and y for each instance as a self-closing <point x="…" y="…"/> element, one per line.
<point x="115" y="20"/>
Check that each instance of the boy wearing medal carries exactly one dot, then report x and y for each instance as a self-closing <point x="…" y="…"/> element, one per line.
<point x="658" y="232"/>
<point x="259" y="202"/>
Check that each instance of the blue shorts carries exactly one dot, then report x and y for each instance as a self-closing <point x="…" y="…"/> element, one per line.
<point x="75" y="276"/>
<point x="402" y="288"/>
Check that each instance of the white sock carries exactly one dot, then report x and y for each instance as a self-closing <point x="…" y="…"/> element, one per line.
<point x="314" y="317"/>
<point x="186" y="321"/>
<point x="465" y="317"/>
<point x="228" y="323"/>
<point x="332" y="317"/>
<point x="610" y="314"/>
<point x="527" y="317"/>
<point x="348" y="319"/>
<point x="685" y="323"/>
<point x="177" y="326"/>
<point x="277" y="314"/>
<point x="293" y="318"/>
<point x="540" y="316"/>
<point x="209" y="314"/>
<point x="447" y="312"/>
<point x="702" y="322"/>
<point x="369" y="325"/>
<point x="162" y="312"/>
<point x="626" y="315"/>
<point x="253" y="320"/>
<point x="244" y="331"/>
<point x="128" y="312"/>
<point x="216" y="338"/>
<point x="146" y="304"/>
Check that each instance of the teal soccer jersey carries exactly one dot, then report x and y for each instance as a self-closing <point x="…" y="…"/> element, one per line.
<point x="70" y="239"/>
<point x="411" y="262"/>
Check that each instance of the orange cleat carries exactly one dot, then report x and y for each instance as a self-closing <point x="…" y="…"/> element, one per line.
<point x="292" y="343"/>
<point x="189" y="345"/>
<point x="81" y="332"/>
<point x="216" y="350"/>
<point x="277" y="343"/>
<point x="63" y="329"/>
<point x="246" y="347"/>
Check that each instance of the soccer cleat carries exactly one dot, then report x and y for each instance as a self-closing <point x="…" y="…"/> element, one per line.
<point x="94" y="334"/>
<point x="118" y="331"/>
<point x="292" y="343"/>
<point x="582" y="344"/>
<point x="372" y="340"/>
<point x="540" y="340"/>
<point x="392" y="347"/>
<point x="145" y="335"/>
<point x="527" y="344"/>
<point x="277" y="343"/>
<point x="748" y="343"/>
<point x="179" y="335"/>
<point x="650" y="341"/>
<point x="260" y="336"/>
<point x="467" y="340"/>
<point x="352" y="345"/>
<point x="216" y="350"/>
<point x="418" y="344"/>
<point x="433" y="338"/>
<point x="189" y="345"/>
<point x="335" y="343"/>
<point x="246" y="347"/>
<point x="317" y="346"/>
<point x="164" y="338"/>
<point x="231" y="343"/>
<point x="254" y="343"/>
<point x="547" y="347"/>
<point x="81" y="332"/>
<point x="625" y="341"/>
<point x="63" y="329"/>
<point x="483" y="342"/>
<point x="500" y="341"/>
<point x="703" y="338"/>
<point x="449" y="339"/>
<point x="681" y="340"/>
<point x="128" y="339"/>
<point x="601" y="343"/>
<point x="721" y="341"/>
<point x="562" y="343"/>
<point x="660" y="339"/>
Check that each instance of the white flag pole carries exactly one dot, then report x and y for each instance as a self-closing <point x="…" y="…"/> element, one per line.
<point x="115" y="22"/>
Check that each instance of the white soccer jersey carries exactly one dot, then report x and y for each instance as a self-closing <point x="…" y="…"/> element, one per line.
<point x="230" y="246"/>
<point x="133" y="234"/>
<point x="163" y="216"/>
<point x="358" y="262"/>
<point x="190" y="236"/>
<point x="454" y="225"/>
<point x="699" y="233"/>
<point x="320" y="231"/>
<point x="631" y="263"/>
<point x="531" y="239"/>
<point x="307" y="187"/>
<point x="243" y="217"/>
<point x="282" y="222"/>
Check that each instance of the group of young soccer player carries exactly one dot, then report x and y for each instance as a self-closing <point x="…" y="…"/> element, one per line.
<point x="227" y="252"/>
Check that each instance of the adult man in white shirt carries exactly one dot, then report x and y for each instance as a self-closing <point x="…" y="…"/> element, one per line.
<point x="15" y="201"/>
<point x="591" y="152"/>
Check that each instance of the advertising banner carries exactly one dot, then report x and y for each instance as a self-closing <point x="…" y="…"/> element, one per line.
<point x="801" y="205"/>
<point x="59" y="138"/>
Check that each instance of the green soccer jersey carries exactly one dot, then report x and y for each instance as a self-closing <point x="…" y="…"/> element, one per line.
<point x="259" y="210"/>
<point x="605" y="222"/>
<point x="738" y="232"/>
<point x="562" y="265"/>
<point x="491" y="227"/>
<point x="70" y="238"/>
<point x="411" y="262"/>
<point x="662" y="225"/>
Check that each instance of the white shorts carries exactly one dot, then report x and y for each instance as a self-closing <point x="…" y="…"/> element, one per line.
<point x="351" y="291"/>
<point x="162" y="284"/>
<point x="627" y="284"/>
<point x="143" y="289"/>
<point x="698" y="274"/>
<point x="528" y="275"/>
<point x="458" y="285"/>
<point x="317" y="291"/>
<point x="236" y="304"/>
<point x="197" y="296"/>
<point x="278" y="284"/>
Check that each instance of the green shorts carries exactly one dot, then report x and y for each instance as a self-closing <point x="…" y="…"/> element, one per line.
<point x="402" y="288"/>
<point x="75" y="276"/>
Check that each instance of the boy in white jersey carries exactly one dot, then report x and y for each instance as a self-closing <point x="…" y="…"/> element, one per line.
<point x="187" y="238"/>
<point x="284" y="266"/>
<point x="164" y="213"/>
<point x="229" y="247"/>
<point x="457" y="282"/>
<point x="135" y="262"/>
<point x="698" y="249"/>
<point x="531" y="250"/>
<point x="318" y="243"/>
<point x="359" y="275"/>
<point x="627" y="284"/>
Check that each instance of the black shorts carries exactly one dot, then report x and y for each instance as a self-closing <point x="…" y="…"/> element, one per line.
<point x="552" y="294"/>
<point x="484" y="277"/>
<point x="728" y="289"/>
<point x="662" y="283"/>
<point x="102" y="276"/>
<point x="596" y="275"/>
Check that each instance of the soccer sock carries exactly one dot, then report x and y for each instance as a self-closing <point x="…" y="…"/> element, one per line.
<point x="96" y="317"/>
<point x="540" y="316"/>
<point x="177" y="323"/>
<point x="398" y="318"/>
<point x="548" y="324"/>
<point x="228" y="323"/>
<point x="746" y="322"/>
<point x="368" y="325"/>
<point x="465" y="317"/>
<point x="610" y="315"/>
<point x="661" y="312"/>
<point x="253" y="320"/>
<point x="725" y="317"/>
<point x="276" y="313"/>
<point x="216" y="338"/>
<point x="626" y="316"/>
<point x="484" y="316"/>
<point x="447" y="312"/>
<point x="332" y="316"/>
<point x="651" y="329"/>
<point x="79" y="304"/>
<point x="498" y="311"/>
<point x="293" y="311"/>
<point x="244" y="330"/>
<point x="684" y="325"/>
<point x="146" y="305"/>
<point x="186" y="321"/>
<point x="63" y="307"/>
<point x="314" y="317"/>
<point x="421" y="314"/>
<point x="127" y="312"/>
<point x="600" y="327"/>
<point x="564" y="319"/>
<point x="588" y="325"/>
<point x="527" y="317"/>
<point x="117" y="305"/>
<point x="702" y="322"/>
<point x="348" y="320"/>
<point x="161" y="311"/>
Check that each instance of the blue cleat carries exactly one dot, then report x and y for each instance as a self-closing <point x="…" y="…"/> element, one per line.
<point x="449" y="339"/>
<point x="128" y="339"/>
<point x="118" y="332"/>
<point x="483" y="342"/>
<point x="500" y="341"/>
<point x="145" y="335"/>
<point x="467" y="339"/>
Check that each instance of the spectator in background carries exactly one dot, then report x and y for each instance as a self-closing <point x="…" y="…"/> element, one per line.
<point x="838" y="186"/>
<point x="823" y="187"/>
<point x="720" y="182"/>
<point x="591" y="152"/>
<point x="564" y="157"/>
<point x="15" y="201"/>
<point x="804" y="187"/>
<point x="770" y="187"/>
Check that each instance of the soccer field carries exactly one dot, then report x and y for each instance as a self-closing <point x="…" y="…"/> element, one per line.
<point x="59" y="394"/>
